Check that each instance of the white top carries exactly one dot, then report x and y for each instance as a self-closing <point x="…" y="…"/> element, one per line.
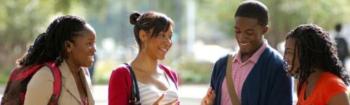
<point x="150" y="93"/>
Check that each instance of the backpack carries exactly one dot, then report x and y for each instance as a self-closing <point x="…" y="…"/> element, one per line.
<point x="17" y="85"/>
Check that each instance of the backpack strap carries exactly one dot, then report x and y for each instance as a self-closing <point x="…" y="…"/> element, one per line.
<point x="229" y="81"/>
<point x="57" y="83"/>
<point x="19" y="74"/>
<point x="135" y="94"/>
<point x="171" y="74"/>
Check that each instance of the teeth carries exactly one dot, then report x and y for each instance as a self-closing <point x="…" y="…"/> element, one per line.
<point x="163" y="49"/>
<point x="244" y="43"/>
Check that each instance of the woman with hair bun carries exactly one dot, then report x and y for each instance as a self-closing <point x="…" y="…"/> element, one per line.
<point x="145" y="81"/>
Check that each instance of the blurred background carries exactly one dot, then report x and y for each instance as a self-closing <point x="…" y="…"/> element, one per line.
<point x="203" y="32"/>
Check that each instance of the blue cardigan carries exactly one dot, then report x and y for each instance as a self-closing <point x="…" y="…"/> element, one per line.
<point x="266" y="84"/>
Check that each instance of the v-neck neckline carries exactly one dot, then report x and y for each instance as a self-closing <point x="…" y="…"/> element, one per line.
<point x="314" y="89"/>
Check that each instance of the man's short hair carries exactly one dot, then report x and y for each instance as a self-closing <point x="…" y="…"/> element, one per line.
<point x="253" y="9"/>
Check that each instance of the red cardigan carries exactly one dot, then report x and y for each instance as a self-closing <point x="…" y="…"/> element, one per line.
<point x="119" y="90"/>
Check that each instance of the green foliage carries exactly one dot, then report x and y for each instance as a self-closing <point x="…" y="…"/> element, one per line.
<point x="192" y="71"/>
<point x="103" y="71"/>
<point x="287" y="14"/>
<point x="22" y="20"/>
<point x="4" y="76"/>
<point x="219" y="14"/>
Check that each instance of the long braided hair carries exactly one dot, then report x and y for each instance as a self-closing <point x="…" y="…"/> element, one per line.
<point x="50" y="45"/>
<point x="316" y="50"/>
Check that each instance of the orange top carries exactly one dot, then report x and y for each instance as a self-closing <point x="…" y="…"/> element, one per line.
<point x="326" y="87"/>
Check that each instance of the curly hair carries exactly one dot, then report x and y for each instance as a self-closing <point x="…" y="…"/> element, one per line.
<point x="316" y="50"/>
<point x="49" y="46"/>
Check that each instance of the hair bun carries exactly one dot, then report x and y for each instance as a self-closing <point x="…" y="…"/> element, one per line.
<point x="133" y="17"/>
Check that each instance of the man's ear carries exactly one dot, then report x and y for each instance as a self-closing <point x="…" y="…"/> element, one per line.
<point x="265" y="29"/>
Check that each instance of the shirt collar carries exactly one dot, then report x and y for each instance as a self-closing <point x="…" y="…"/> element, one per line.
<point x="254" y="58"/>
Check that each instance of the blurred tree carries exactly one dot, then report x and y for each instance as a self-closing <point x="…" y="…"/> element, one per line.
<point x="22" y="20"/>
<point x="115" y="22"/>
<point x="215" y="17"/>
<point x="287" y="14"/>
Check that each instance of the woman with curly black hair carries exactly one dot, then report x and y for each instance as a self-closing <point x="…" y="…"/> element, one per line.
<point x="68" y="46"/>
<point x="311" y="57"/>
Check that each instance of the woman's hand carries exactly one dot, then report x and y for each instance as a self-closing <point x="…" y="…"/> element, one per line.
<point x="159" y="100"/>
<point x="209" y="98"/>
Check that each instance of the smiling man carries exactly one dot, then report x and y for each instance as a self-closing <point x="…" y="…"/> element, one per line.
<point x="255" y="75"/>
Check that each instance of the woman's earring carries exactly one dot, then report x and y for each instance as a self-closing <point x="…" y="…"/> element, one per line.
<point x="59" y="59"/>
